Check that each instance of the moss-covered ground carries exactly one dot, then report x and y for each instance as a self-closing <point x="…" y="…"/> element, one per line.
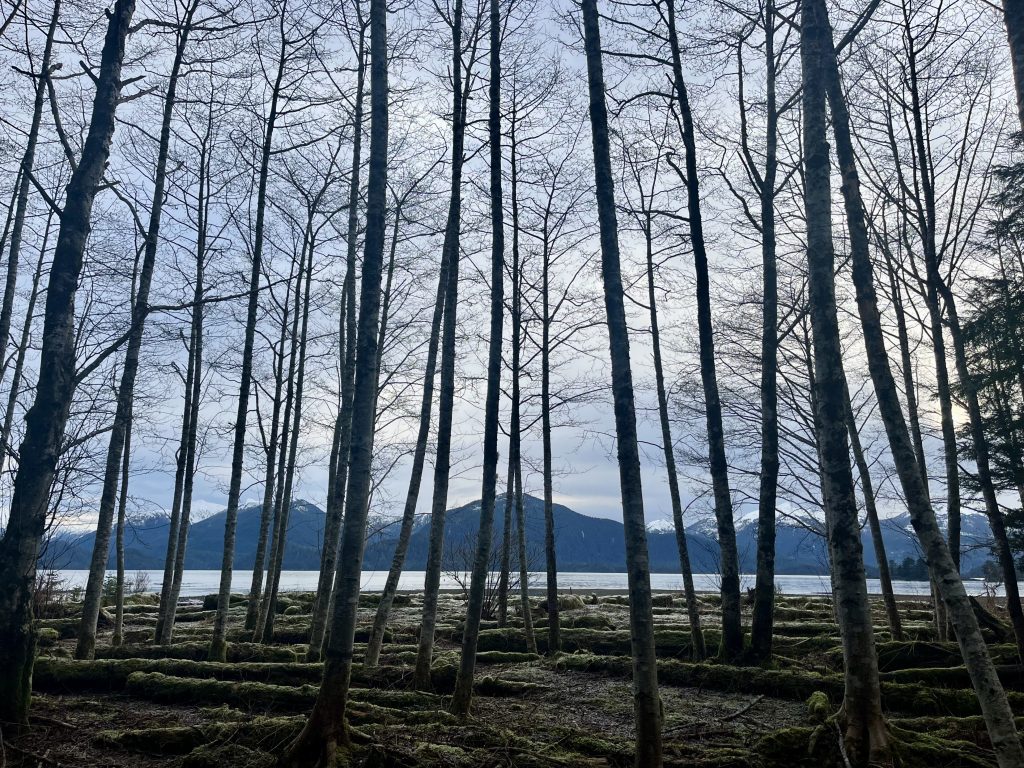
<point x="146" y="705"/>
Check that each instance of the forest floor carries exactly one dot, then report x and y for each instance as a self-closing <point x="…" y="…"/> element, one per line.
<point x="147" y="706"/>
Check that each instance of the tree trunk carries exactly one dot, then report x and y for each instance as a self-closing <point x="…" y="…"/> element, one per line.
<point x="646" y="701"/>
<point x="126" y="388"/>
<point x="442" y="461"/>
<point x="866" y="734"/>
<point x="218" y="644"/>
<point x="506" y="543"/>
<point x="325" y="730"/>
<point x="19" y="360"/>
<point x="1013" y="14"/>
<point x="263" y="632"/>
<point x="554" y="630"/>
<point x="892" y="612"/>
<point x="732" y="618"/>
<point x="252" y="610"/>
<point x="524" y="574"/>
<point x="274" y="577"/>
<point x="994" y="706"/>
<point x="762" y="617"/>
<point x="380" y="620"/>
<point x="122" y="505"/>
<point x="343" y="424"/>
<point x="47" y="418"/>
<point x="177" y="536"/>
<point x="668" y="446"/>
<point x="926" y="225"/>
<point x="979" y="443"/>
<point x="463" y="695"/>
<point x="24" y="182"/>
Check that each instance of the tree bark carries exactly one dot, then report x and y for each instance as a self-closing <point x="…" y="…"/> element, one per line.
<point x="732" y="617"/>
<point x="318" y="742"/>
<point x="995" y="708"/>
<point x="47" y="418"/>
<point x="646" y="701"/>
<point x="463" y="694"/>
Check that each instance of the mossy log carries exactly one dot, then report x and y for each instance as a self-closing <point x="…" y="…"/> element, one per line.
<point x="789" y="684"/>
<point x="157" y="687"/>
<point x="199" y="651"/>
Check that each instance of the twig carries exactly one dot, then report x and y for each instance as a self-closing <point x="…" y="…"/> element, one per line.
<point x="742" y="710"/>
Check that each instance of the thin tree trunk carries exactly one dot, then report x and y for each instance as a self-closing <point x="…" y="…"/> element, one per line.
<point x="732" y="618"/>
<point x="506" y="564"/>
<point x="126" y="388"/>
<point x="24" y="182"/>
<point x="979" y="443"/>
<point x="463" y="694"/>
<point x="191" y="449"/>
<point x="177" y="536"/>
<point x="252" y="610"/>
<point x="668" y="448"/>
<point x="442" y="461"/>
<point x="926" y="225"/>
<point x="322" y="606"/>
<point x="506" y="543"/>
<point x="264" y="620"/>
<point x="646" y="701"/>
<point x="380" y="620"/>
<point x="19" y="360"/>
<point x="554" y="629"/>
<point x="48" y="416"/>
<point x="524" y="575"/>
<point x="326" y="729"/>
<point x="762" y="617"/>
<point x="515" y="428"/>
<point x="218" y="644"/>
<point x="122" y="505"/>
<point x="892" y="612"/>
<point x="991" y="697"/>
<point x="274" y="577"/>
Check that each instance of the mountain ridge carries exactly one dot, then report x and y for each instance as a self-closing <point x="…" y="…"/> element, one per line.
<point x="583" y="543"/>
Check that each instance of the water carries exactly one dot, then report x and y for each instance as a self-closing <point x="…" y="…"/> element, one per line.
<point x="197" y="583"/>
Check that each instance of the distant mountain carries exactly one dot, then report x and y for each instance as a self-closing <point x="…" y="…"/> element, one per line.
<point x="583" y="543"/>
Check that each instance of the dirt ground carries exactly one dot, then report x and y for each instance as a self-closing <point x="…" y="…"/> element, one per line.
<point x="146" y="706"/>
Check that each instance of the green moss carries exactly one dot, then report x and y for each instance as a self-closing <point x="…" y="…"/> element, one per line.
<point x="47" y="637"/>
<point x="819" y="709"/>
<point x="158" y="687"/>
<point x="199" y="651"/>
